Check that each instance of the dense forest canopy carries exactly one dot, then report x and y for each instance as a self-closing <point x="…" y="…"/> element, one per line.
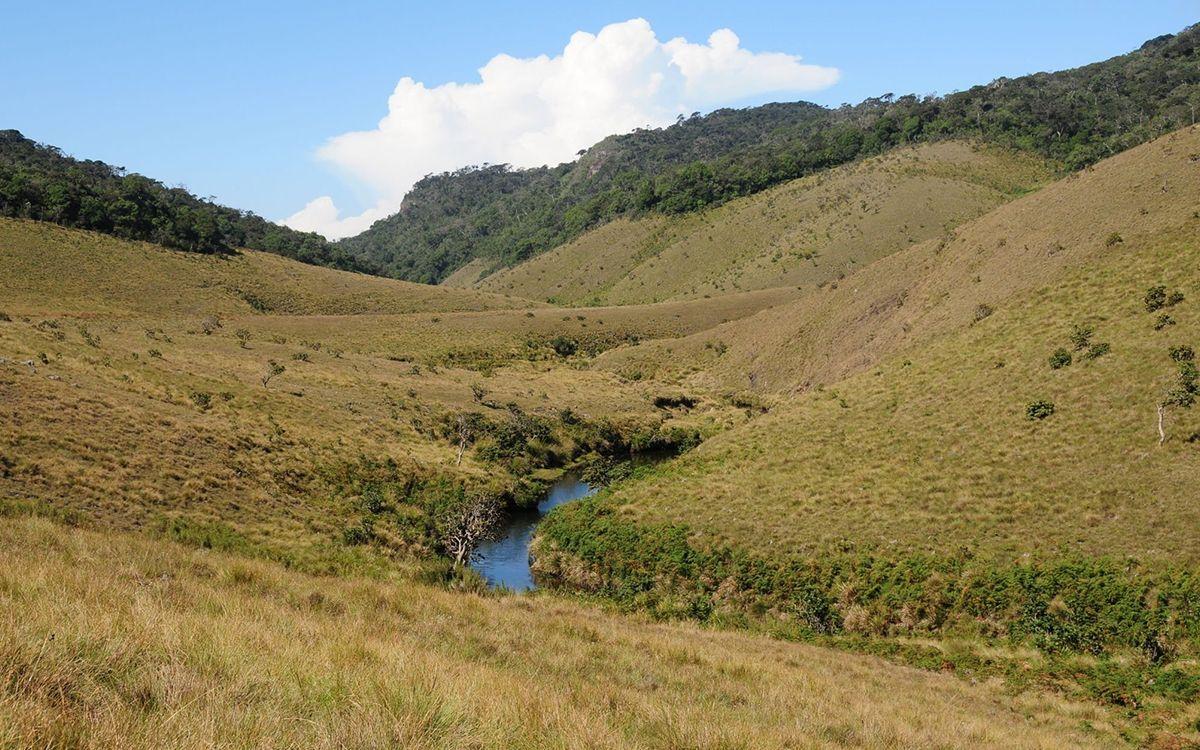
<point x="501" y="215"/>
<point x="40" y="182"/>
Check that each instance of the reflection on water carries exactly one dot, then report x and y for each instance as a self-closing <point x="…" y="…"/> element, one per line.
<point x="504" y="562"/>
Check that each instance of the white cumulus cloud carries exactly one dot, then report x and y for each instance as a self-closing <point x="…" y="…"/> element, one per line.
<point x="541" y="110"/>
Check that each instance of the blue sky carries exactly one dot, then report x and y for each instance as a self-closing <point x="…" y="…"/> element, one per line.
<point x="234" y="99"/>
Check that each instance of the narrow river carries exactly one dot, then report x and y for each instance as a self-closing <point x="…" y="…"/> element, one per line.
<point x="504" y="562"/>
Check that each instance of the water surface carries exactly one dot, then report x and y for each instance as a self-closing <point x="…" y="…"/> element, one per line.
<point x="504" y="562"/>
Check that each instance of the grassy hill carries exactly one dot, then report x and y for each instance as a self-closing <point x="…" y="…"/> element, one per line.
<point x="132" y="384"/>
<point x="164" y="506"/>
<point x="938" y="437"/>
<point x="504" y="216"/>
<point x="54" y="270"/>
<point x="804" y="233"/>
<point x="962" y="443"/>
<point x="939" y="286"/>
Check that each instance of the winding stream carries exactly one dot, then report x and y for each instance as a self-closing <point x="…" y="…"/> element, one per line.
<point x="504" y="562"/>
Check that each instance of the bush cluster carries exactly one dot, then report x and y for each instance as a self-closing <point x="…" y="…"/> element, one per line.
<point x="1072" y="604"/>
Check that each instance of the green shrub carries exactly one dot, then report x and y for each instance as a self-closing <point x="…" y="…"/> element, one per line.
<point x="360" y="533"/>
<point x="1060" y="358"/>
<point x="1081" y="336"/>
<point x="1163" y="321"/>
<point x="202" y="399"/>
<point x="1095" y="351"/>
<point x="1039" y="409"/>
<point x="1066" y="605"/>
<point x="564" y="346"/>
<point x="1156" y="298"/>
<point x="89" y="338"/>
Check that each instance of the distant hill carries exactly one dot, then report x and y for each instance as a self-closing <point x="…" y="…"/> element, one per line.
<point x="502" y="216"/>
<point x="64" y="271"/>
<point x="804" y="233"/>
<point x="41" y="182"/>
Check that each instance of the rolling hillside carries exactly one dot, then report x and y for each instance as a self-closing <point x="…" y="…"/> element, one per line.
<point x="963" y="441"/>
<point x="138" y="388"/>
<point x="804" y="233"/>
<point x="166" y="497"/>
<point x="938" y="286"/>
<point x="502" y="216"/>
<point x="50" y="269"/>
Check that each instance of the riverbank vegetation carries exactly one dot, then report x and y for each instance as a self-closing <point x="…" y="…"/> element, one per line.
<point x="299" y="414"/>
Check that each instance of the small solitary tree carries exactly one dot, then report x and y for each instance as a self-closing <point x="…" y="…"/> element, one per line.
<point x="465" y="522"/>
<point x="466" y="429"/>
<point x="273" y="369"/>
<point x="1182" y="393"/>
<point x="209" y="324"/>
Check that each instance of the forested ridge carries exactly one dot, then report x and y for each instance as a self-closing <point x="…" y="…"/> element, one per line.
<point x="503" y="215"/>
<point x="40" y="182"/>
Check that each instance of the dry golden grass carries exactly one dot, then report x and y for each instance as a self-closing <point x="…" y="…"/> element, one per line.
<point x="934" y="288"/>
<point x="54" y="270"/>
<point x="932" y="449"/>
<point x="800" y="234"/>
<point x="137" y="415"/>
<point x="109" y="641"/>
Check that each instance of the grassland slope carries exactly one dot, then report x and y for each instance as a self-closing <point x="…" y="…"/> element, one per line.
<point x="49" y="268"/>
<point x="804" y="233"/>
<point x="962" y="442"/>
<point x="943" y="284"/>
<point x="112" y="641"/>
<point x="934" y="450"/>
<point x="140" y="389"/>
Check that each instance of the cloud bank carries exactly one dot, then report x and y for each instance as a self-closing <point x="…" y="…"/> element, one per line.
<point x="534" y="111"/>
